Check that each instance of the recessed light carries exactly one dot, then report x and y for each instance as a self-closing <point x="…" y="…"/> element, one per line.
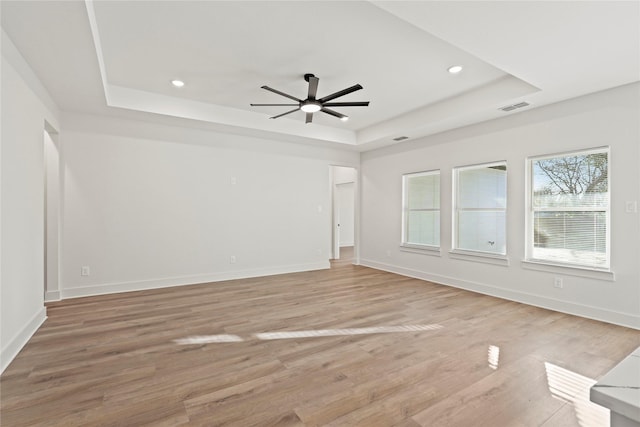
<point x="344" y="118"/>
<point x="455" y="69"/>
<point x="177" y="83"/>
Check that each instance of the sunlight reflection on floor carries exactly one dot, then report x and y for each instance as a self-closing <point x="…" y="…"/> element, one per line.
<point x="207" y="339"/>
<point x="574" y="388"/>
<point x="350" y="331"/>
<point x="226" y="338"/>
<point x="493" y="356"/>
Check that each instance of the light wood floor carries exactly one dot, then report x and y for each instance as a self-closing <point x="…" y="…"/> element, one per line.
<point x="379" y="350"/>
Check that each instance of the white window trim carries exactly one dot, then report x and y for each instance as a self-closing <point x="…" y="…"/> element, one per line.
<point x="569" y="269"/>
<point x="421" y="249"/>
<point x="471" y="255"/>
<point x="479" y="256"/>
<point x="415" y="247"/>
<point x="580" y="270"/>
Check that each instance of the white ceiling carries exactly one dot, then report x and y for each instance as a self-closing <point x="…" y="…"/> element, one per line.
<point x="117" y="58"/>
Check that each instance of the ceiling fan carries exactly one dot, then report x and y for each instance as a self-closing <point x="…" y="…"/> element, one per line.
<point x="311" y="104"/>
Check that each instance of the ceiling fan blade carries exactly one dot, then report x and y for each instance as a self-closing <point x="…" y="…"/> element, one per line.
<point x="281" y="93"/>
<point x="347" y="104"/>
<point x="274" y="105"/>
<point x="313" y="87"/>
<point x="332" y="113"/>
<point x="338" y="94"/>
<point x="284" y="114"/>
<point x="309" y="118"/>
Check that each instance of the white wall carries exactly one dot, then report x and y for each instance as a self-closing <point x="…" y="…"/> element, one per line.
<point x="608" y="118"/>
<point x="25" y="107"/>
<point x="344" y="175"/>
<point x="147" y="205"/>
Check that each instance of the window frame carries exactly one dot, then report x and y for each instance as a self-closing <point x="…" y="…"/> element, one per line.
<point x="530" y="211"/>
<point x="470" y="254"/>
<point x="405" y="211"/>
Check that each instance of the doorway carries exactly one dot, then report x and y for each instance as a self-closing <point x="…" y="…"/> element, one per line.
<point x="344" y="189"/>
<point x="51" y="213"/>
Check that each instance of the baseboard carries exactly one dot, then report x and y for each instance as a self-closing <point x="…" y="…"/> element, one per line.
<point x="346" y="245"/>
<point x="50" y="296"/>
<point x="618" y="318"/>
<point x="141" y="285"/>
<point x="11" y="350"/>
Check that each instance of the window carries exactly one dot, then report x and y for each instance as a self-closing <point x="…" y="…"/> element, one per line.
<point x="480" y="209"/>
<point x="421" y="209"/>
<point x="569" y="209"/>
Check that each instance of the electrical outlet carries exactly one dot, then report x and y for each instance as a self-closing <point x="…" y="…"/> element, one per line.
<point x="85" y="271"/>
<point x="232" y="260"/>
<point x="388" y="253"/>
<point x="631" y="206"/>
<point x="557" y="282"/>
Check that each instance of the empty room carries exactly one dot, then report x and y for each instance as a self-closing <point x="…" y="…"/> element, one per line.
<point x="320" y="213"/>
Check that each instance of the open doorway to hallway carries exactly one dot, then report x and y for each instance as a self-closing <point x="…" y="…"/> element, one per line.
<point x="51" y="213"/>
<point x="344" y="190"/>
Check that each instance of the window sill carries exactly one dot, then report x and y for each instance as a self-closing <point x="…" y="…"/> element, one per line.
<point x="482" y="257"/>
<point x="422" y="250"/>
<point x="570" y="270"/>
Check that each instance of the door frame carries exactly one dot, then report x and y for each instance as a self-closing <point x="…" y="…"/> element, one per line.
<point x="335" y="214"/>
<point x="53" y="188"/>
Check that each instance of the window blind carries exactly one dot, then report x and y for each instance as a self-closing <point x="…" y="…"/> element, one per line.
<point x="421" y="219"/>
<point x="480" y="209"/>
<point x="570" y="209"/>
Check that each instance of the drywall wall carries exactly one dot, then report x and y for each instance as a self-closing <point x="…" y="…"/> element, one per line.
<point x="25" y="108"/>
<point x="343" y="175"/>
<point x="610" y="118"/>
<point x="148" y="205"/>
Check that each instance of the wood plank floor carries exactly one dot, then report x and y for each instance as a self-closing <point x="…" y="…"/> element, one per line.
<point x="342" y="347"/>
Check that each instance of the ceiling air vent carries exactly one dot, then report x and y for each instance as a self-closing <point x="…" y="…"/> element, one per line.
<point x="400" y="138"/>
<point x="514" y="106"/>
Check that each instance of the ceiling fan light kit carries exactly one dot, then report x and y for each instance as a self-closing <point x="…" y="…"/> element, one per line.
<point x="312" y="105"/>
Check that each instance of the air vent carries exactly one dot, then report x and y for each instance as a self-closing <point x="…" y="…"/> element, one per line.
<point x="401" y="138"/>
<point x="514" y="106"/>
